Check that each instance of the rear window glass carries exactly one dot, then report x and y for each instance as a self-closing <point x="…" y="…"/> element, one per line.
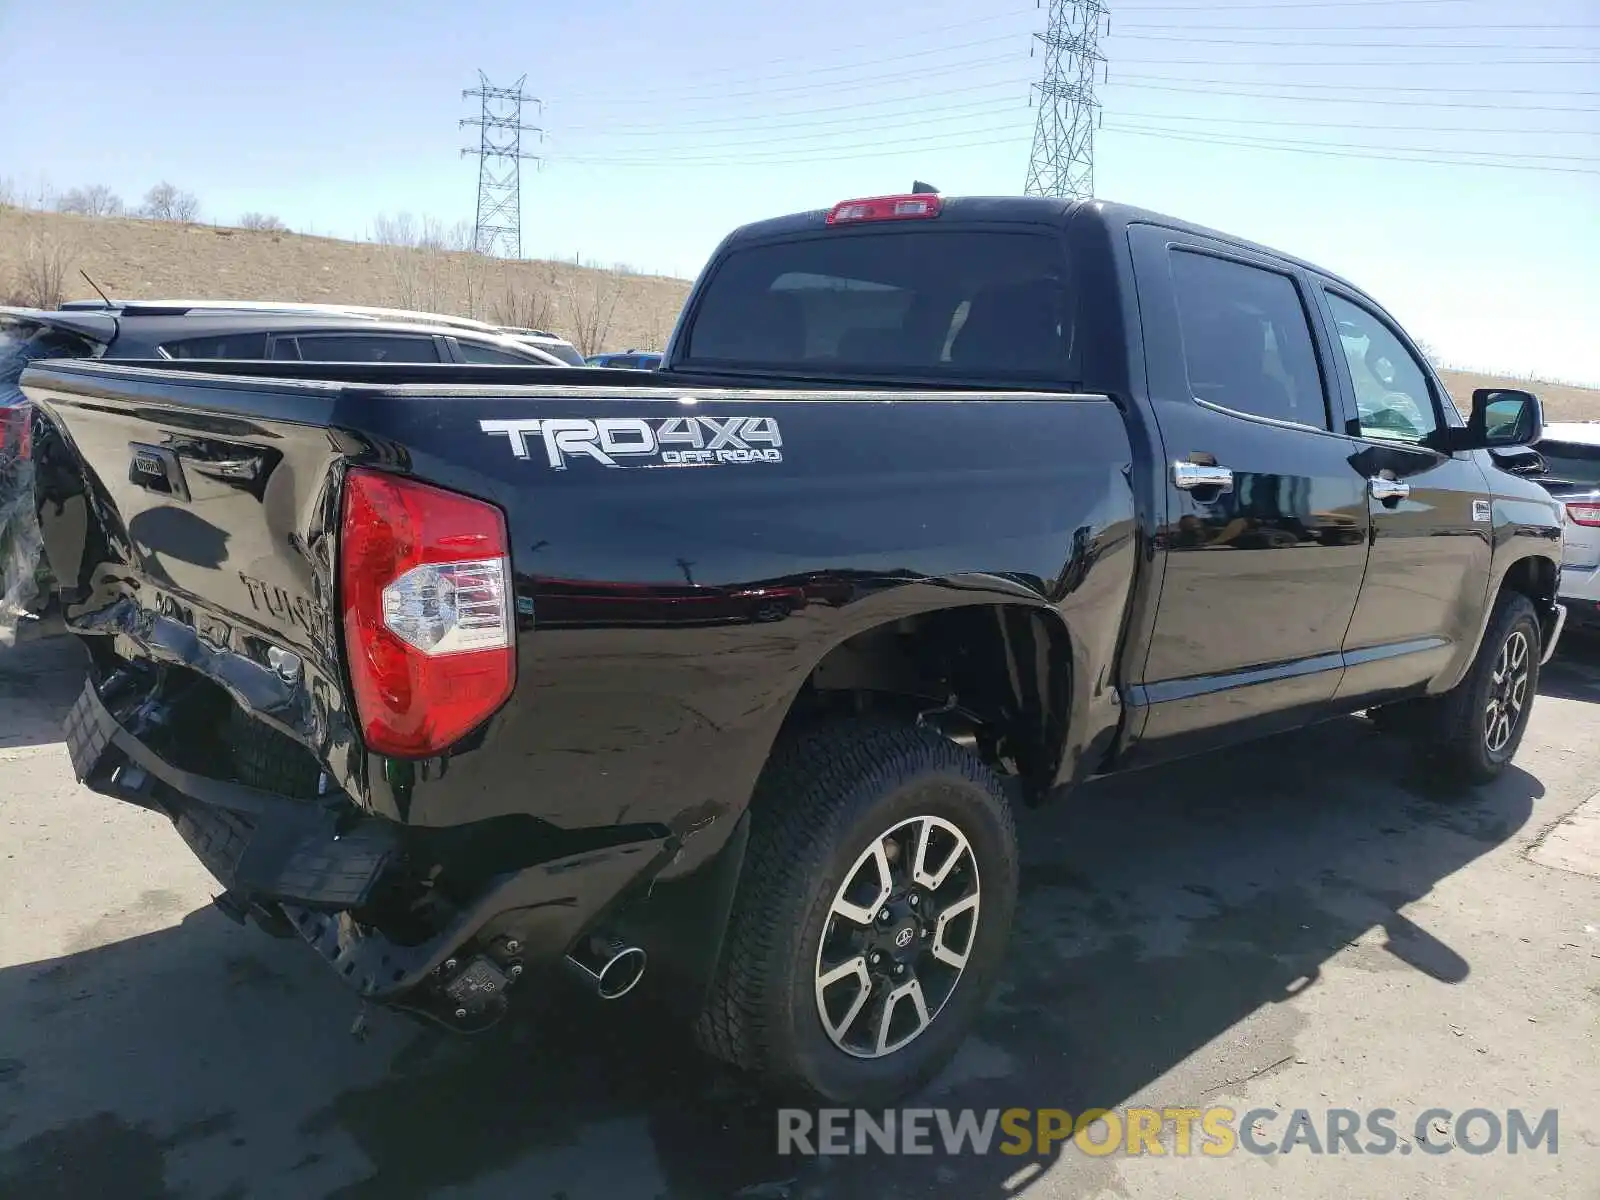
<point x="957" y="303"/>
<point x="237" y="345"/>
<point x="1570" y="462"/>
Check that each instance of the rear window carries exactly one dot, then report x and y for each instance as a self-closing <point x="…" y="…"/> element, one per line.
<point x="1570" y="462"/>
<point x="942" y="303"/>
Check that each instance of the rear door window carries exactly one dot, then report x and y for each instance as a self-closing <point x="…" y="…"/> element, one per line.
<point x="367" y="347"/>
<point x="1246" y="341"/>
<point x="473" y="353"/>
<point x="233" y="345"/>
<point x="956" y="303"/>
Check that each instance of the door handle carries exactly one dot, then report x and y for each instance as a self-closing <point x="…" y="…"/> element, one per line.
<point x="1191" y="475"/>
<point x="1388" y="489"/>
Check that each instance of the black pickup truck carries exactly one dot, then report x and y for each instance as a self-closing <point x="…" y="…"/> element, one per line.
<point x="939" y="506"/>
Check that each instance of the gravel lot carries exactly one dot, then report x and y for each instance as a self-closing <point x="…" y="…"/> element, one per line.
<point x="1304" y="923"/>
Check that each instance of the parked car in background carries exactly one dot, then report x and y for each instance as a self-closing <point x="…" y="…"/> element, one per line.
<point x="632" y="360"/>
<point x="550" y="343"/>
<point x="260" y="329"/>
<point x="1570" y="471"/>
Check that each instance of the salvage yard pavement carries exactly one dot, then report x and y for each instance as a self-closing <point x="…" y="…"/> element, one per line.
<point x="1311" y="922"/>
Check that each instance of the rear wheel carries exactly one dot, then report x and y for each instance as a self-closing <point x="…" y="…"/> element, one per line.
<point x="872" y="914"/>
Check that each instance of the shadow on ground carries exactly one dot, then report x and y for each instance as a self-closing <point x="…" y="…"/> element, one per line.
<point x="1158" y="910"/>
<point x="40" y="677"/>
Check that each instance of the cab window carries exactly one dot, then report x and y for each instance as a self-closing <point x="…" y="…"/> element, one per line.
<point x="1393" y="396"/>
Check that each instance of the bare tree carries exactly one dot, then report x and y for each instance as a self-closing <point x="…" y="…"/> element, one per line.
<point x="262" y="221"/>
<point x="10" y="197"/>
<point x="525" y="306"/>
<point x="40" y="279"/>
<point x="398" y="230"/>
<point x="594" y="303"/>
<point x="96" y="200"/>
<point x="165" y="202"/>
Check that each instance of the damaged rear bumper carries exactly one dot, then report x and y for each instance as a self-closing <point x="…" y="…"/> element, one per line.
<point x="318" y="868"/>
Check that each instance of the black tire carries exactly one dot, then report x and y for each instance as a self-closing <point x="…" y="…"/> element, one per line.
<point x="824" y="798"/>
<point x="1459" y="735"/>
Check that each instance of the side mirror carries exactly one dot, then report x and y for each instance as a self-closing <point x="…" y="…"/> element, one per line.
<point x="1500" y="418"/>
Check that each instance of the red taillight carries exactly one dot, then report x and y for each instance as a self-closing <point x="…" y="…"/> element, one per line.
<point x="1585" y="514"/>
<point x="917" y="207"/>
<point x="427" y="612"/>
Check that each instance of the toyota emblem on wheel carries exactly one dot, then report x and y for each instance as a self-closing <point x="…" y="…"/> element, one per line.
<point x="903" y="938"/>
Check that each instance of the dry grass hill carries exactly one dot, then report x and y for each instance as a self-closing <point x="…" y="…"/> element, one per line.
<point x="596" y="309"/>
<point x="139" y="259"/>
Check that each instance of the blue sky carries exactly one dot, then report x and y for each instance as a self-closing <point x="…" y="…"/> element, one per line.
<point x="1295" y="123"/>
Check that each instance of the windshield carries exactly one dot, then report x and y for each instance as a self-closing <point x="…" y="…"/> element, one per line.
<point x="944" y="303"/>
<point x="1570" y="462"/>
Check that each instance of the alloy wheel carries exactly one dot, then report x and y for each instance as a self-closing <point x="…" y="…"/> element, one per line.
<point x="897" y="937"/>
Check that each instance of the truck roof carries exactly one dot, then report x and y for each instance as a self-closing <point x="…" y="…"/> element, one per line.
<point x="1033" y="210"/>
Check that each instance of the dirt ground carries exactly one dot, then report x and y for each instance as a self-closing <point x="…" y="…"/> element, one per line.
<point x="154" y="259"/>
<point x="1308" y="922"/>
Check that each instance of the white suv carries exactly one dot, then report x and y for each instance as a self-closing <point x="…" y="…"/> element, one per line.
<point x="1571" y="453"/>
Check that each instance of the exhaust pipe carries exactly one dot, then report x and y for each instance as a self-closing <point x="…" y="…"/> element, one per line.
<point x="608" y="965"/>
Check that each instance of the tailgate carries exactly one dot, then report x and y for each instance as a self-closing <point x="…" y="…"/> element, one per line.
<point x="160" y="500"/>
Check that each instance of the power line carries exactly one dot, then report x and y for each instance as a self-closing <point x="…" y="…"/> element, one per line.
<point x="1449" y="26"/>
<point x="1246" y="139"/>
<point x="1014" y="86"/>
<point x="939" y="142"/>
<point x="718" y="96"/>
<point x="715" y="89"/>
<point x="942" y="118"/>
<point x="1368" y="88"/>
<point x="1181" y="136"/>
<point x="1366" y="125"/>
<point x="1207" y="91"/>
<point x="1285" y="4"/>
<point x="1211" y="41"/>
<point x="1340" y="64"/>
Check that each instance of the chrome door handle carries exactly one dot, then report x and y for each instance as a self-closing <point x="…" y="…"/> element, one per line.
<point x="1388" y="489"/>
<point x="1190" y="475"/>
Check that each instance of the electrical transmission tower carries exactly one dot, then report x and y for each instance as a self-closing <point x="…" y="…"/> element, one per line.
<point x="500" y="156"/>
<point x="1062" y="161"/>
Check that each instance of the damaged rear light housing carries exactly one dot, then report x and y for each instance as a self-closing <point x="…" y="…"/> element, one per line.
<point x="425" y="578"/>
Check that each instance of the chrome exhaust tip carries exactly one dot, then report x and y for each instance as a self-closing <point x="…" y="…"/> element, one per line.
<point x="608" y="965"/>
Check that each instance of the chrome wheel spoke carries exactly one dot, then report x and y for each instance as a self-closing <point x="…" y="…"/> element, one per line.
<point x="941" y="949"/>
<point x="921" y="873"/>
<point x="856" y="969"/>
<point x="911" y="991"/>
<point x="877" y="858"/>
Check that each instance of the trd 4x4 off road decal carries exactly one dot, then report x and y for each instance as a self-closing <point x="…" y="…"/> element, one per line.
<point x="646" y="441"/>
